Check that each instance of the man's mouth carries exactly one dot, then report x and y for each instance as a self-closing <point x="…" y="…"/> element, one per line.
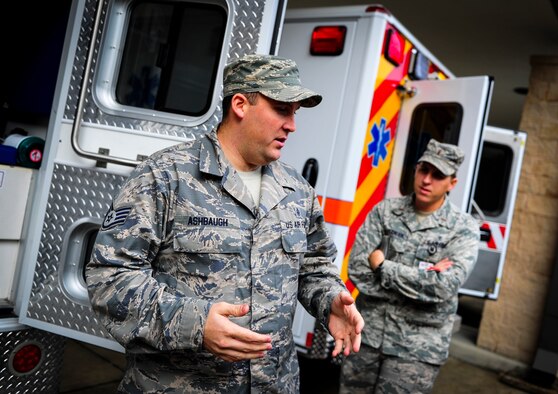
<point x="281" y="141"/>
<point x="424" y="190"/>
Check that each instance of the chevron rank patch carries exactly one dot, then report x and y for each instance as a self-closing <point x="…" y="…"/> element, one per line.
<point x="115" y="217"/>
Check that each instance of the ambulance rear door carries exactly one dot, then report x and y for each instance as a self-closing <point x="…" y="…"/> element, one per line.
<point x="136" y="76"/>
<point x="451" y="111"/>
<point x="494" y="201"/>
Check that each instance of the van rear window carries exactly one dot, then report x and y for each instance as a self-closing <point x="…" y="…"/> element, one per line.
<point x="171" y="56"/>
<point x="493" y="178"/>
<point x="441" y="121"/>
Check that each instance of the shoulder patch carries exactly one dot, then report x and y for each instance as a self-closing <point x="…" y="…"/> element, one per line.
<point x="115" y="217"/>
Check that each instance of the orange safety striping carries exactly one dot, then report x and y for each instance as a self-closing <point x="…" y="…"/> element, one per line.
<point x="372" y="180"/>
<point x="374" y="199"/>
<point x="373" y="174"/>
<point x="367" y="172"/>
<point x="388" y="85"/>
<point x="337" y="211"/>
<point x="391" y="113"/>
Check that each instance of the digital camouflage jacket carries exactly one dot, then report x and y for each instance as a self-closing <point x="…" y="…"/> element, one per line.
<point x="408" y="310"/>
<point x="184" y="233"/>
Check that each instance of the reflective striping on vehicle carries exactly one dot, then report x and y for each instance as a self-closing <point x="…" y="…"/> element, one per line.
<point x="372" y="179"/>
<point x="497" y="236"/>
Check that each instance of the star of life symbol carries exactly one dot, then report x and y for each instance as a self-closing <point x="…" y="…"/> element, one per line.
<point x="380" y="138"/>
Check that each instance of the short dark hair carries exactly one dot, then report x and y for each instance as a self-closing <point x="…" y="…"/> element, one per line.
<point x="251" y="96"/>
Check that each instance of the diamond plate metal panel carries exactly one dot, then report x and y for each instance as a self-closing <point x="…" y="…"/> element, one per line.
<point x="245" y="34"/>
<point x="321" y="347"/>
<point x="75" y="193"/>
<point x="46" y="378"/>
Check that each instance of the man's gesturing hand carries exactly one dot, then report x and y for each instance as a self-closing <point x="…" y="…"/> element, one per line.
<point x="345" y="324"/>
<point x="230" y="341"/>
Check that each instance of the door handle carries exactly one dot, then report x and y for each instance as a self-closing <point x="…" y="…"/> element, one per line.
<point x="310" y="171"/>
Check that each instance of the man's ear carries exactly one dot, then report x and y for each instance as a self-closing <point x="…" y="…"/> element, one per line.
<point x="453" y="182"/>
<point x="239" y="102"/>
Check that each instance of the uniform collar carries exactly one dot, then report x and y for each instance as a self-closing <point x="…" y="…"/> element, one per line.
<point x="214" y="162"/>
<point x="212" y="159"/>
<point x="275" y="180"/>
<point x="441" y="217"/>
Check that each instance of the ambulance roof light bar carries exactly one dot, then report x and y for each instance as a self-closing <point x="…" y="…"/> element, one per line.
<point x="377" y="8"/>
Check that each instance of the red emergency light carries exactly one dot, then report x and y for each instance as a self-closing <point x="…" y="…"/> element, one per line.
<point x="394" y="49"/>
<point x="25" y="358"/>
<point x="328" y="40"/>
<point x="377" y="8"/>
<point x="309" y="339"/>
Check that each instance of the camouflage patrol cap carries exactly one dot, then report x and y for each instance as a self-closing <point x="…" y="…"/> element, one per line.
<point x="445" y="157"/>
<point x="272" y="76"/>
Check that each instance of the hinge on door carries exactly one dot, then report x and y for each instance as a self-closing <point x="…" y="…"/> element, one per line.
<point x="101" y="163"/>
<point x="406" y="91"/>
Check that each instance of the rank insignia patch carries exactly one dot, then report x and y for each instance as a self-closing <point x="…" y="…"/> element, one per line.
<point x="115" y="217"/>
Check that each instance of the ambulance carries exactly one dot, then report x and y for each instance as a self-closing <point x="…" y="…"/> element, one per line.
<point x="105" y="83"/>
<point x="385" y="96"/>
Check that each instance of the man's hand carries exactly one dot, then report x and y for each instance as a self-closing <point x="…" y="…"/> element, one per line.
<point x="345" y="324"/>
<point x="230" y="341"/>
<point x="441" y="266"/>
<point x="375" y="259"/>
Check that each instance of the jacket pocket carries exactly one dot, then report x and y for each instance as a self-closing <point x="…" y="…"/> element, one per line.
<point x="400" y="251"/>
<point x="294" y="241"/>
<point x="205" y="261"/>
<point x="430" y="315"/>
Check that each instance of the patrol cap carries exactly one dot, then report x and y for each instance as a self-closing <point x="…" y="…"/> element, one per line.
<point x="445" y="157"/>
<point x="275" y="77"/>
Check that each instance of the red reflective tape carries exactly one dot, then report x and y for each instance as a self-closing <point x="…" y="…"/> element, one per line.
<point x="350" y="285"/>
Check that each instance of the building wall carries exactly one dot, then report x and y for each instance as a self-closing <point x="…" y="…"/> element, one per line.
<point x="510" y="325"/>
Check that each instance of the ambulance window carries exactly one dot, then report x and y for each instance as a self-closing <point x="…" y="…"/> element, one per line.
<point x="493" y="178"/>
<point x="171" y="56"/>
<point x="441" y="121"/>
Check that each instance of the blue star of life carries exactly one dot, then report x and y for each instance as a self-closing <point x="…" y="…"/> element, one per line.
<point x="380" y="139"/>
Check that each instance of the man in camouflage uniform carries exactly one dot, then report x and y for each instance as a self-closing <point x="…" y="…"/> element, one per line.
<point x="409" y="259"/>
<point x="199" y="263"/>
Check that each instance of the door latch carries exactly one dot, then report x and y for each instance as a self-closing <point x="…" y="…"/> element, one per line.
<point x="406" y="91"/>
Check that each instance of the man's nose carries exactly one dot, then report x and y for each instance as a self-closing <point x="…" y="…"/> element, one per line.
<point x="290" y="124"/>
<point x="428" y="176"/>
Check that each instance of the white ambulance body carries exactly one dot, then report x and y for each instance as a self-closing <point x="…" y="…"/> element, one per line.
<point x="385" y="96"/>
